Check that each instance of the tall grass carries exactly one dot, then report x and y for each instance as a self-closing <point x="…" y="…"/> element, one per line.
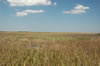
<point x="49" y="49"/>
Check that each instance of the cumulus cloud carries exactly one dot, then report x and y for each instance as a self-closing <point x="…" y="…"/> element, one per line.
<point x="54" y="3"/>
<point x="29" y="2"/>
<point x="78" y="9"/>
<point x="26" y="12"/>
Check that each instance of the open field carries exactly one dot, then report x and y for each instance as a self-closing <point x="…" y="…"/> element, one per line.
<point x="49" y="49"/>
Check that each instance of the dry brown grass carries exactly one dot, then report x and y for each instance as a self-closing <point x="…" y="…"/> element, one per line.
<point x="49" y="49"/>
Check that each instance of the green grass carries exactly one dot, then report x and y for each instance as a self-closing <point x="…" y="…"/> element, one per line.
<point x="49" y="49"/>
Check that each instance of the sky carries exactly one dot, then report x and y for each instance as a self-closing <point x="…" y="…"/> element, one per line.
<point x="50" y="15"/>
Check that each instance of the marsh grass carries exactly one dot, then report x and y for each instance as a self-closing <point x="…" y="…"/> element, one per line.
<point x="49" y="49"/>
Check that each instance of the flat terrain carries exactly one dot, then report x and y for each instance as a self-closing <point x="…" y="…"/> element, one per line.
<point x="49" y="49"/>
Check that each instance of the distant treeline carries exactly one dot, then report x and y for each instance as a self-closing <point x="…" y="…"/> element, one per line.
<point x="98" y="34"/>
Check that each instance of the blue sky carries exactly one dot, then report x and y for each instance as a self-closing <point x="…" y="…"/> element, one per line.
<point x="50" y="15"/>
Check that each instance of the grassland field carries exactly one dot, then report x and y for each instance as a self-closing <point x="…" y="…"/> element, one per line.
<point x="49" y="49"/>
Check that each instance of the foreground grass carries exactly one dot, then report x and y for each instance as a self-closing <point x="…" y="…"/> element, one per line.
<point x="49" y="49"/>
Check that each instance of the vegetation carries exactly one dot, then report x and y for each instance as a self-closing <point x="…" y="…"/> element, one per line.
<point x="49" y="49"/>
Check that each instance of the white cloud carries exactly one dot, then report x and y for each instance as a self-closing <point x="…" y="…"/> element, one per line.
<point x="78" y="9"/>
<point x="26" y="12"/>
<point x="54" y="3"/>
<point x="29" y="2"/>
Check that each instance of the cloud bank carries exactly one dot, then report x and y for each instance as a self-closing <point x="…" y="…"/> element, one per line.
<point x="29" y="2"/>
<point x="78" y="9"/>
<point x="26" y="12"/>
